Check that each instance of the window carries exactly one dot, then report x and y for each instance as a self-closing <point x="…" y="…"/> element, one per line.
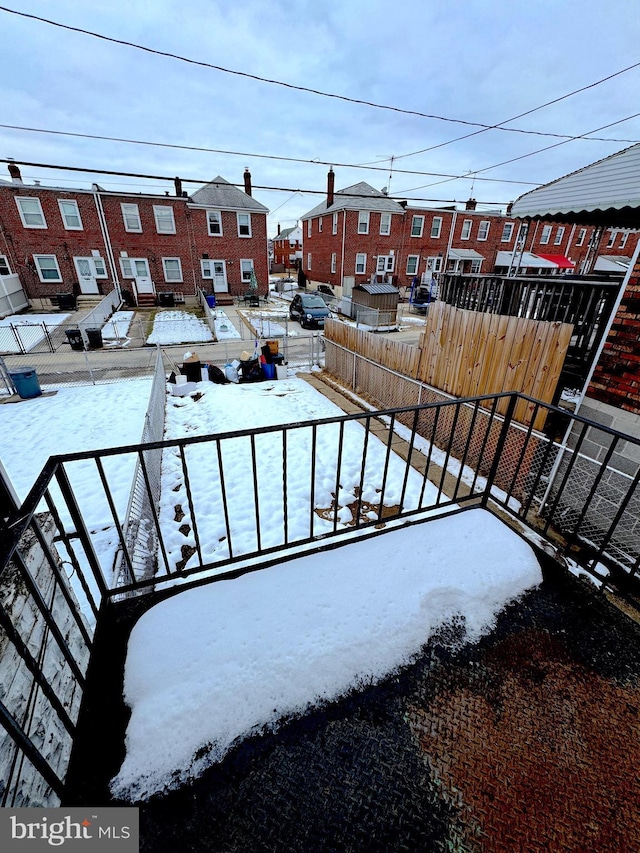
<point x="436" y="227"/>
<point x="582" y="233"/>
<point x="165" y="223"/>
<point x="334" y="224"/>
<point x="412" y="264"/>
<point x="244" y="224"/>
<point x="546" y="234"/>
<point x="134" y="268"/>
<point x="214" y="223"/>
<point x="333" y="261"/>
<point x="131" y="216"/>
<point x="47" y="267"/>
<point x="363" y="222"/>
<point x="623" y="239"/>
<point x="483" y="229"/>
<point x="612" y="240"/>
<point x="559" y="235"/>
<point x="361" y="263"/>
<point x="385" y="223"/>
<point x="309" y="258"/>
<point x="466" y="229"/>
<point x="70" y="215"/>
<point x="417" y="224"/>
<point x="319" y="225"/>
<point x="385" y="263"/>
<point x="31" y="213"/>
<point x="434" y="264"/>
<point x="246" y="268"/>
<point x="507" y="232"/>
<point x="308" y="228"/>
<point x="4" y="265"/>
<point x="476" y="263"/>
<point x="172" y="269"/>
<point x="92" y="267"/>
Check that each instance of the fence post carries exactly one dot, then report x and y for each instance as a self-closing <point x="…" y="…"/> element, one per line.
<point x="508" y="417"/>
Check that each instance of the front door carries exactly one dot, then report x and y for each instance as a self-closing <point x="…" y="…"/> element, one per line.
<point x="220" y="277"/>
<point x="86" y="275"/>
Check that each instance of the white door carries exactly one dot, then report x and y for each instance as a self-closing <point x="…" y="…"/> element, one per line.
<point x="144" y="284"/>
<point x="220" y="277"/>
<point x="86" y="275"/>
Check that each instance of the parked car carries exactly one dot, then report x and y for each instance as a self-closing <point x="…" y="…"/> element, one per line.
<point x="327" y="298"/>
<point x="309" y="309"/>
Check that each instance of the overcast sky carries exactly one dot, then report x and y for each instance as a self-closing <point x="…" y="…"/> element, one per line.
<point x="478" y="61"/>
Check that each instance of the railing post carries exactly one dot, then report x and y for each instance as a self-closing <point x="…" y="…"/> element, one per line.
<point x="500" y="446"/>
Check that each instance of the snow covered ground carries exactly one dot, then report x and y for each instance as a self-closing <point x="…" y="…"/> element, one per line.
<point x="178" y="327"/>
<point x="117" y="328"/>
<point x="30" y="330"/>
<point x="225" y="330"/>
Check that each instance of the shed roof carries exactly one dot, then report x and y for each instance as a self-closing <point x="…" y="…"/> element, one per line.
<point x="377" y="288"/>
<point x="360" y="196"/>
<point x="220" y="193"/>
<point x="605" y="193"/>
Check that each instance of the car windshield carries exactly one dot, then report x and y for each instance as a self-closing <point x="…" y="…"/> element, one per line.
<point x="313" y="302"/>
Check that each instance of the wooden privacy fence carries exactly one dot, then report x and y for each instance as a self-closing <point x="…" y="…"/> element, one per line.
<point x="467" y="353"/>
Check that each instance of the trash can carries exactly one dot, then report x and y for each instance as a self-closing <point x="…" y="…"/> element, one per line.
<point x="26" y="382"/>
<point x="211" y="300"/>
<point x="74" y="337"/>
<point x="66" y="301"/>
<point x="94" y="336"/>
<point x="269" y="371"/>
<point x="192" y="370"/>
<point x="166" y="300"/>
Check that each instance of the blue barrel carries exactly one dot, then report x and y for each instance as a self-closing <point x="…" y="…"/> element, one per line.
<point x="211" y="300"/>
<point x="26" y="382"/>
<point x="269" y="371"/>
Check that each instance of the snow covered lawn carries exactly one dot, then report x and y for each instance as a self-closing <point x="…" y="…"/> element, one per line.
<point x="178" y="327"/>
<point x="225" y="330"/>
<point x="117" y="328"/>
<point x="218" y="663"/>
<point x="29" y="328"/>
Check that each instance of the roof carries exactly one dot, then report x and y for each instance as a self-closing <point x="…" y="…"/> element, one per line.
<point x="505" y="259"/>
<point x="465" y="255"/>
<point x="221" y="194"/>
<point x="605" y="193"/>
<point x="284" y="234"/>
<point x="377" y="288"/>
<point x="360" y="196"/>
<point x="612" y="263"/>
<point x="558" y="260"/>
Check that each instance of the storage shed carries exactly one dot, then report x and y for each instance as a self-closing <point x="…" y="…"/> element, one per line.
<point x="375" y="304"/>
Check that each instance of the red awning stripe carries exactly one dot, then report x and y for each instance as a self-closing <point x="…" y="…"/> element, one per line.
<point x="559" y="260"/>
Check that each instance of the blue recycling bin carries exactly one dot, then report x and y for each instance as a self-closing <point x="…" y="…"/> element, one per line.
<point x="26" y="382"/>
<point x="211" y="300"/>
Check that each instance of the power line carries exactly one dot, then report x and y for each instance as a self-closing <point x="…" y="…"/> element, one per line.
<point x="242" y="153"/>
<point x="292" y="86"/>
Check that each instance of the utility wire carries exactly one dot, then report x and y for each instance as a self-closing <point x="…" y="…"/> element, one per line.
<point x="245" y="74"/>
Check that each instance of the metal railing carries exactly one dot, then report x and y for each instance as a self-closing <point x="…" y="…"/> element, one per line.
<point x="336" y="478"/>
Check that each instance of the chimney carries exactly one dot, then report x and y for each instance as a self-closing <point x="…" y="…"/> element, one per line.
<point x="278" y="229"/>
<point x="330" y="186"/>
<point x="247" y="181"/>
<point x="14" y="171"/>
<point x="471" y="204"/>
<point x="178" y="185"/>
<point x="509" y="207"/>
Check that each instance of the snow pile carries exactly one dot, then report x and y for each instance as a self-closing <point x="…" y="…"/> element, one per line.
<point x="178" y="327"/>
<point x="30" y="329"/>
<point x="219" y="663"/>
<point x="118" y="326"/>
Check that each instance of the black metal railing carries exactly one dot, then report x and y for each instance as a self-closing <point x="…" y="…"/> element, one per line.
<point x="243" y="500"/>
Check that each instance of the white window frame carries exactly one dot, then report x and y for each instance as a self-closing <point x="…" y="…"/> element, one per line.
<point x="4" y="264"/>
<point x="436" y="227"/>
<point x="362" y="263"/>
<point x="309" y="259"/>
<point x="309" y="227"/>
<point x="246" y="268"/>
<point x="582" y="233"/>
<point x="623" y="239"/>
<point x="417" y="225"/>
<point x="319" y="225"/>
<point x="465" y="233"/>
<point x="611" y="240"/>
<point x="241" y="225"/>
<point x="168" y="276"/>
<point x="214" y="219"/>
<point x="363" y="222"/>
<point x="476" y="266"/>
<point x="131" y="217"/>
<point x="47" y="280"/>
<point x="483" y="230"/>
<point x="39" y="214"/>
<point x="385" y="224"/>
<point x="72" y="214"/>
<point x="434" y="264"/>
<point x="557" y="240"/>
<point x="507" y="232"/>
<point x="165" y="219"/>
<point x="385" y="264"/>
<point x="545" y="236"/>
<point x="334" y="224"/>
<point x="128" y="267"/>
<point x="334" y="261"/>
<point x="97" y="266"/>
<point x="413" y="262"/>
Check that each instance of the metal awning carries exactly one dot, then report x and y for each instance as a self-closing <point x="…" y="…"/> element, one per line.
<point x="465" y="255"/>
<point x="612" y="263"/>
<point x="559" y="260"/>
<point x="506" y="259"/>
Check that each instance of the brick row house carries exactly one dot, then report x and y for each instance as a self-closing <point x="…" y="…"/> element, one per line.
<point x="90" y="241"/>
<point x="287" y="249"/>
<point x="359" y="234"/>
